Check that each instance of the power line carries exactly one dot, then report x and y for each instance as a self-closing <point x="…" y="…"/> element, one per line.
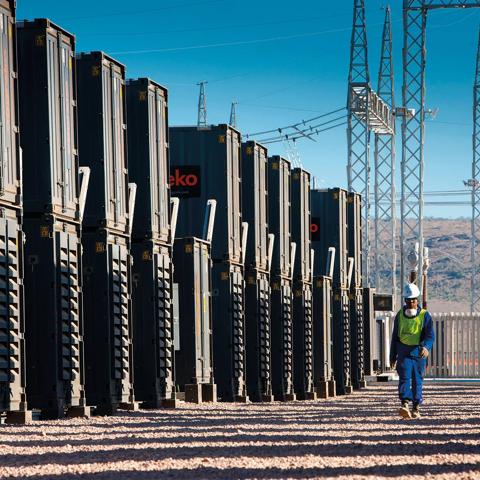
<point x="303" y="122"/>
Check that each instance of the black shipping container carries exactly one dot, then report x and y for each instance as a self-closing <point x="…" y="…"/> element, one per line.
<point x="10" y="166"/>
<point x="257" y="326"/>
<point x="205" y="163"/>
<point x="323" y="380"/>
<point x="147" y="106"/>
<point x="153" y="324"/>
<point x="301" y="224"/>
<point x="228" y="331"/>
<point x="369" y="329"/>
<point x="329" y="229"/>
<point x="303" y="341"/>
<point x="48" y="115"/>
<point x="357" y="343"/>
<point x="12" y="328"/>
<point x="54" y="317"/>
<point x="354" y="215"/>
<point x="108" y="321"/>
<point x="341" y="341"/>
<point x="282" y="338"/>
<point x="255" y="203"/>
<point x="279" y="214"/>
<point x="102" y="140"/>
<point x="194" y="357"/>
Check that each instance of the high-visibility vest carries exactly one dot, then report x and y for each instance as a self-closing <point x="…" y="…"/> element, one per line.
<point x="410" y="329"/>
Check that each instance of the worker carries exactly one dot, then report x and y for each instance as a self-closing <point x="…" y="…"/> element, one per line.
<point x="412" y="340"/>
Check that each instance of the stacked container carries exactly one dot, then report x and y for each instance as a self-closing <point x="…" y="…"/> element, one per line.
<point x="147" y="105"/>
<point x="53" y="206"/>
<point x="329" y="212"/>
<point x="257" y="270"/>
<point x="302" y="287"/>
<point x="279" y="213"/>
<point x="356" y="290"/>
<point x="12" y="353"/>
<point x="107" y="229"/>
<point x="206" y="164"/>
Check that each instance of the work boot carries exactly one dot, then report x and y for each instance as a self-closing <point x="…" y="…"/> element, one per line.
<point x="416" y="411"/>
<point x="404" y="412"/>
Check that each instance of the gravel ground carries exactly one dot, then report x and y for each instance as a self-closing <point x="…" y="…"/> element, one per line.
<point x="358" y="436"/>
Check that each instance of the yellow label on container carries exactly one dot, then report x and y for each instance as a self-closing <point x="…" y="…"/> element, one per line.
<point x="69" y="63"/>
<point x="188" y="248"/>
<point x="10" y="30"/>
<point x="40" y="40"/>
<point x="99" y="247"/>
<point x="96" y="69"/>
<point x="298" y="293"/>
<point x="224" y="276"/>
<point x="142" y="96"/>
<point x="275" y="286"/>
<point x="335" y="195"/>
<point x="336" y="297"/>
<point x="146" y="255"/>
<point x="249" y="150"/>
<point x="319" y="282"/>
<point x="296" y="176"/>
<point x="221" y="139"/>
<point x="251" y="280"/>
<point x="275" y="166"/>
<point x="44" y="231"/>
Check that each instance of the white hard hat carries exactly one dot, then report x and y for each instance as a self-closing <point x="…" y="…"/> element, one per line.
<point x="411" y="291"/>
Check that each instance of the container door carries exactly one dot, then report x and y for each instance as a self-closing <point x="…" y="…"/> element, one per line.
<point x="114" y="138"/>
<point x="9" y="162"/>
<point x="61" y="123"/>
<point x="285" y="225"/>
<point x="234" y="195"/>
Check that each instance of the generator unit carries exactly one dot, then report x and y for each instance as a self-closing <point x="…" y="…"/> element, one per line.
<point x="357" y="341"/>
<point x="283" y="256"/>
<point x="194" y="356"/>
<point x="302" y="287"/>
<point x="12" y="327"/>
<point x="205" y="164"/>
<point x="107" y="231"/>
<point x="54" y="200"/>
<point x="152" y="239"/>
<point x="257" y="271"/>
<point x="329" y="229"/>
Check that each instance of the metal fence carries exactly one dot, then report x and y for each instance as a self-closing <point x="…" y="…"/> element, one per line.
<point x="456" y="352"/>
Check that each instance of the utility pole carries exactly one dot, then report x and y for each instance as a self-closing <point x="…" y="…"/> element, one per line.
<point x="202" y="105"/>
<point x="384" y="195"/>
<point x="233" y="115"/>
<point x="475" y="185"/>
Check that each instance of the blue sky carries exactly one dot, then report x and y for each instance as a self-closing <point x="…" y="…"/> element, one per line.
<point x="283" y="63"/>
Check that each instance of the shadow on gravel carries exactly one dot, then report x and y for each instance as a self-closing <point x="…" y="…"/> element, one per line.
<point x="208" y="473"/>
<point x="146" y="454"/>
<point x="252" y="436"/>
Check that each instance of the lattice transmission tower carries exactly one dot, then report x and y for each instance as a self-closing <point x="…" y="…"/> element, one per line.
<point x="367" y="113"/>
<point x="202" y="105"/>
<point x="475" y="184"/>
<point x="384" y="193"/>
<point x="413" y="124"/>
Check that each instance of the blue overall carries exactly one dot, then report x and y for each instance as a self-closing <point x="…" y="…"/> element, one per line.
<point x="410" y="367"/>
